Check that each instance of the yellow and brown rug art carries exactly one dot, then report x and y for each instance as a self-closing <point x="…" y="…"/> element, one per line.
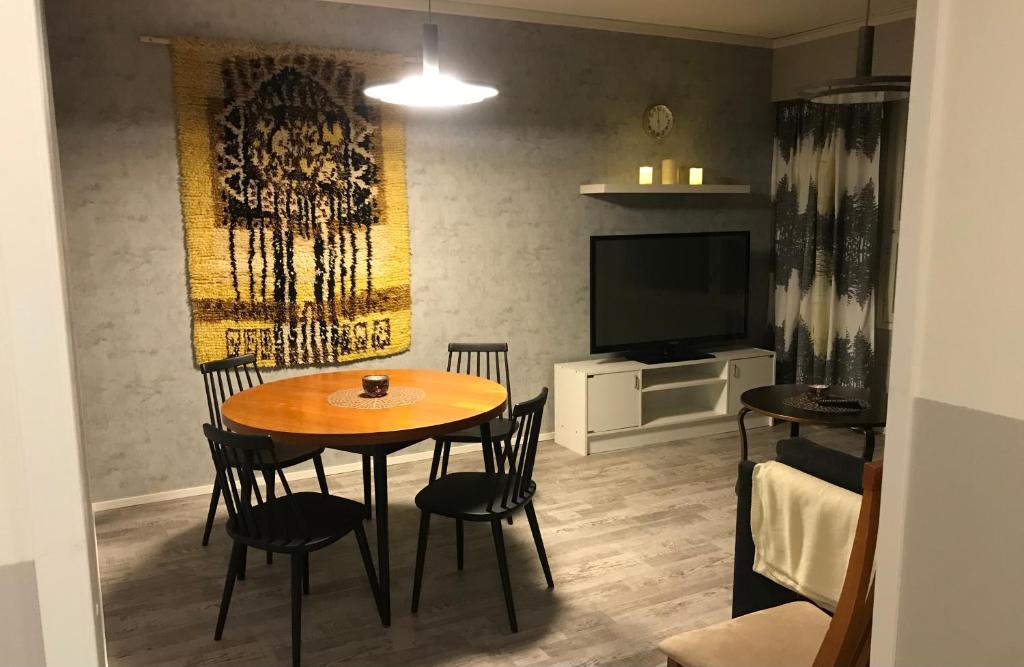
<point x="294" y="203"/>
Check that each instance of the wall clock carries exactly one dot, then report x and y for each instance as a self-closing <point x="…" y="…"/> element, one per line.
<point x="658" y="121"/>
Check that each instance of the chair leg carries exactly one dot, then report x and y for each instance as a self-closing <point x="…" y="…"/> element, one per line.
<point x="229" y="586"/>
<point x="297" y="569"/>
<point x="458" y="543"/>
<point x="367" y="486"/>
<point x="505" y="453"/>
<point x="241" y="563"/>
<point x="436" y="461"/>
<point x="318" y="463"/>
<point x="371" y="574"/>
<point x="212" y="513"/>
<point x="305" y="574"/>
<point x="421" y="556"/>
<point x="506" y="584"/>
<point x="268" y="480"/>
<point x="531" y="515"/>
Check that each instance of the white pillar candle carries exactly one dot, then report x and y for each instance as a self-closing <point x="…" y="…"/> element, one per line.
<point x="669" y="172"/>
<point x="696" y="176"/>
<point x="646" y="175"/>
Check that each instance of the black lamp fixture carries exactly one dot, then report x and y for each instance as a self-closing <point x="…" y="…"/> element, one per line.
<point x="864" y="87"/>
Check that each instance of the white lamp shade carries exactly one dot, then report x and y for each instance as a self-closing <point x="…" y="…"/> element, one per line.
<point x="431" y="90"/>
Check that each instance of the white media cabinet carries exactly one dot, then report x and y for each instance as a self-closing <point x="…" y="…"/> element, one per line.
<point x="611" y="403"/>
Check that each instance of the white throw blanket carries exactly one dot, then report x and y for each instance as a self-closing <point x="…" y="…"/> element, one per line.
<point x="803" y="531"/>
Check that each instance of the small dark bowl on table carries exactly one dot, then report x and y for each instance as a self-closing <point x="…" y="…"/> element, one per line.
<point x="375" y="386"/>
<point x="818" y="390"/>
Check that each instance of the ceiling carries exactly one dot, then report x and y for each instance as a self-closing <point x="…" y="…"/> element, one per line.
<point x="754" y="22"/>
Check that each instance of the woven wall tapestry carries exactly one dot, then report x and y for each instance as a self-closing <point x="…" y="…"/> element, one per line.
<point x="294" y="204"/>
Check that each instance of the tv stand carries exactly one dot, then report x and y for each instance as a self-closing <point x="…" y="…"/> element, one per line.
<point x="613" y="403"/>
<point x="667" y="354"/>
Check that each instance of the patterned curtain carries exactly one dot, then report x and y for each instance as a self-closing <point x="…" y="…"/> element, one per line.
<point x="826" y="269"/>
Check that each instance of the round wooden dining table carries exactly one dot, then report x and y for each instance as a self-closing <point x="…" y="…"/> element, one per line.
<point x="329" y="409"/>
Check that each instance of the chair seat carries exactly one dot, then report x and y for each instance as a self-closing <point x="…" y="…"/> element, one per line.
<point x="785" y="636"/>
<point x="472" y="496"/>
<point x="301" y="522"/>
<point x="289" y="455"/>
<point x="500" y="430"/>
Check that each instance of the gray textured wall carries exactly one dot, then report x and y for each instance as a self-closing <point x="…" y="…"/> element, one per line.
<point x="499" y="233"/>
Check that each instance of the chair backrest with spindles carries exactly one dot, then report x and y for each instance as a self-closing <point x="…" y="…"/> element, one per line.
<point x="238" y="459"/>
<point x="847" y="641"/>
<point x="486" y="360"/>
<point x="224" y="377"/>
<point x="518" y="474"/>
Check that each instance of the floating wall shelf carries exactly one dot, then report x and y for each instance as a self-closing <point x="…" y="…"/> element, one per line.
<point x="681" y="189"/>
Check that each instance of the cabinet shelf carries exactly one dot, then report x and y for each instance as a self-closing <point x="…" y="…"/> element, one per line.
<point x="667" y="386"/>
<point x="658" y="189"/>
<point x="684" y="418"/>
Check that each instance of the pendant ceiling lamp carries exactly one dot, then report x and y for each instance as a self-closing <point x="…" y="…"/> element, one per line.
<point x="863" y="87"/>
<point x="430" y="89"/>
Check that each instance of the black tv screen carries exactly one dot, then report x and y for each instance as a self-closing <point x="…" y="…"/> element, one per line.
<point x="659" y="289"/>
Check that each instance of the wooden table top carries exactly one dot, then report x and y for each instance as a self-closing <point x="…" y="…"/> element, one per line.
<point x="298" y="411"/>
<point x="770" y="401"/>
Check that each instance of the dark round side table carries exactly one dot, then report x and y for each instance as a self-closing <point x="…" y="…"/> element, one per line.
<point x="772" y="401"/>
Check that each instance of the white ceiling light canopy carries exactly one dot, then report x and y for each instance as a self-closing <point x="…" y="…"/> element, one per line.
<point x="431" y="89"/>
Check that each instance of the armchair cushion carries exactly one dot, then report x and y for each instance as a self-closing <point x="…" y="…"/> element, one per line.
<point x="785" y="636"/>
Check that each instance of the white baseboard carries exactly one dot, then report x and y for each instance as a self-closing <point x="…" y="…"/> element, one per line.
<point x="206" y="489"/>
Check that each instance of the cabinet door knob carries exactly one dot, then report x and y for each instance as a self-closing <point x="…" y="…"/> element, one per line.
<point x="636" y="382"/>
<point x="735" y="371"/>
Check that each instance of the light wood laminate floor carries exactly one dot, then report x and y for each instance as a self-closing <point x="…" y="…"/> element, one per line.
<point x="640" y="544"/>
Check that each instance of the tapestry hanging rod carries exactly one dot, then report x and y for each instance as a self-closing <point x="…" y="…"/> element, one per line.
<point x="154" y="39"/>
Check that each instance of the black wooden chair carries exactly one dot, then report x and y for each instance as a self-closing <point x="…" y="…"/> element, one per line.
<point x="295" y="523"/>
<point x="222" y="379"/>
<point x="486" y="360"/>
<point x="490" y="496"/>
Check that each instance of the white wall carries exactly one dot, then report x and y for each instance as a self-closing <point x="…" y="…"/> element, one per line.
<point x="949" y="574"/>
<point x="47" y="547"/>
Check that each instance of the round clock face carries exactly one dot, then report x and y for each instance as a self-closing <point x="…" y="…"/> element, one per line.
<point x="658" y="121"/>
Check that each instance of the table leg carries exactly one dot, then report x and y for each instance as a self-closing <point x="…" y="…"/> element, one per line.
<point x="366" y="486"/>
<point x="380" y="481"/>
<point x="869" y="443"/>
<point x="794" y="429"/>
<point x="743" y="432"/>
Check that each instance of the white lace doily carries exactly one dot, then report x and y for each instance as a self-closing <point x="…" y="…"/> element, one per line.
<point x="395" y="398"/>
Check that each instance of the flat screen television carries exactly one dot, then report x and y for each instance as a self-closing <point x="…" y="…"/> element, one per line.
<point x="658" y="296"/>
